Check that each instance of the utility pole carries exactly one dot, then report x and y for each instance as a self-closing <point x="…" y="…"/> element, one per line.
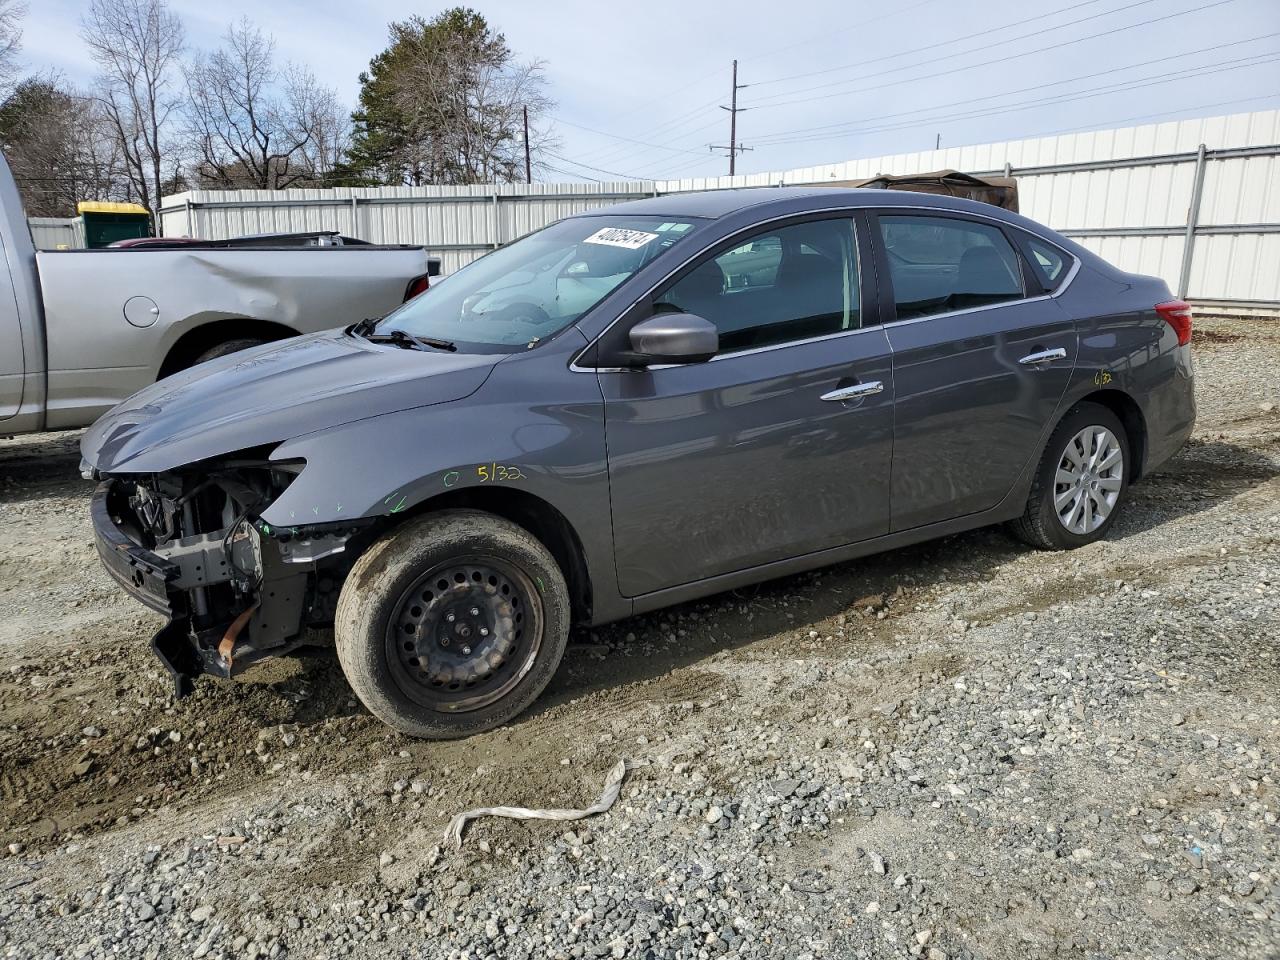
<point x="734" y="110"/>
<point x="937" y="142"/>
<point x="528" y="167"/>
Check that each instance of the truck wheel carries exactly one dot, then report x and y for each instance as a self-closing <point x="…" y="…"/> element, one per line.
<point x="227" y="347"/>
<point x="452" y="624"/>
<point x="1081" y="482"/>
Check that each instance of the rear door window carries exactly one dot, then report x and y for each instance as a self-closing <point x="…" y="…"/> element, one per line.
<point x="940" y="264"/>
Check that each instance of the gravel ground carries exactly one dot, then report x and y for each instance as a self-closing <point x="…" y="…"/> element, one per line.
<point x="962" y="749"/>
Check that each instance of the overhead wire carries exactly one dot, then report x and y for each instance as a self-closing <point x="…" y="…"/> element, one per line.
<point x="670" y="128"/>
<point x="1270" y="56"/>
<point x="587" y="166"/>
<point x="613" y="152"/>
<point x="970" y="36"/>
<point x="785" y="135"/>
<point x="972" y="66"/>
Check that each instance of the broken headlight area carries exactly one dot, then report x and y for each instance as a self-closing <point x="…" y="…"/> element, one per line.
<point x="192" y="545"/>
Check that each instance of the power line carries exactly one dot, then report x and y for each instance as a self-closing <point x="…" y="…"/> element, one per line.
<point x="1259" y="60"/>
<point x="970" y="36"/>
<point x="769" y="138"/>
<point x="859" y="25"/>
<point x="618" y="152"/>
<point x="609" y="153"/>
<point x="668" y="128"/>
<point x="612" y="173"/>
<point x="571" y="173"/>
<point x="972" y="66"/>
<point x="1092" y="125"/>
<point x="614" y="136"/>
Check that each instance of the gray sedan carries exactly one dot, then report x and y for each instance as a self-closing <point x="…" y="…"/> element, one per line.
<point x="633" y="408"/>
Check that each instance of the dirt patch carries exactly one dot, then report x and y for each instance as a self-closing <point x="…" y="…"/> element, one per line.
<point x="1213" y="335"/>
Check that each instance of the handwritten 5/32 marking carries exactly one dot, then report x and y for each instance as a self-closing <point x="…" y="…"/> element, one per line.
<point x="498" y="472"/>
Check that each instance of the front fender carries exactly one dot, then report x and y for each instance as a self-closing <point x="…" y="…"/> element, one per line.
<point x="534" y="426"/>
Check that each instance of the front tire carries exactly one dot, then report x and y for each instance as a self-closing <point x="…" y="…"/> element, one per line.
<point x="1081" y="483"/>
<point x="452" y="624"/>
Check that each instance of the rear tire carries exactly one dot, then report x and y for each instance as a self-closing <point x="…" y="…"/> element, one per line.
<point x="1080" y="484"/>
<point x="227" y="347"/>
<point x="452" y="624"/>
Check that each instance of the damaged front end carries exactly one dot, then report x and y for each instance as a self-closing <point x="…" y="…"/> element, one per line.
<point x="191" y="545"/>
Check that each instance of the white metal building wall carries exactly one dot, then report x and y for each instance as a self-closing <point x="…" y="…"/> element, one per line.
<point x="53" y="233"/>
<point x="457" y="223"/>
<point x="1130" y="203"/>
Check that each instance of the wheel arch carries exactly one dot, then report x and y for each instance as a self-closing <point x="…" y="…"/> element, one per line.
<point x="210" y="333"/>
<point x="1130" y="415"/>
<point x="536" y="515"/>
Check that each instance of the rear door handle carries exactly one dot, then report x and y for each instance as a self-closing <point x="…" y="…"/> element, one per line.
<point x="855" y="392"/>
<point x="1044" y="356"/>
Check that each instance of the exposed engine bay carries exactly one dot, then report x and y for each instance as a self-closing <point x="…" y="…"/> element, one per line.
<point x="192" y="545"/>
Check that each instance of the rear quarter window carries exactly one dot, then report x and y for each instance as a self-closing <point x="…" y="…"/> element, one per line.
<point x="1051" y="265"/>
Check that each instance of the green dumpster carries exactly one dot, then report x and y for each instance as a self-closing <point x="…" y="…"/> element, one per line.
<point x="105" y="222"/>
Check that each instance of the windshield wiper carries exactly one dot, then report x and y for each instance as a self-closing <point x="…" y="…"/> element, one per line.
<point x="410" y="341"/>
<point x="364" y="327"/>
<point x="439" y="344"/>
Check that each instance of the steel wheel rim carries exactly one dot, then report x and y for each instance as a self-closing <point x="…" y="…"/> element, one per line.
<point x="1088" y="480"/>
<point x="464" y="634"/>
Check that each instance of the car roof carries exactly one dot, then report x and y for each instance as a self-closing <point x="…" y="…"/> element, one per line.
<point x="713" y="204"/>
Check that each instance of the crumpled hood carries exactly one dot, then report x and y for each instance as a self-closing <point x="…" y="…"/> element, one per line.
<point x="273" y="393"/>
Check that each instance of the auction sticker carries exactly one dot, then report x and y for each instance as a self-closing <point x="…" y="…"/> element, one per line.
<point x="619" y="237"/>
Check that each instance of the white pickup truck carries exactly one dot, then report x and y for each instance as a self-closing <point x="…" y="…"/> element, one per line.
<point x="81" y="330"/>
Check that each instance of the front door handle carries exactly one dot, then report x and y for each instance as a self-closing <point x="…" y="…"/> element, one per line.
<point x="855" y="392"/>
<point x="1043" y="356"/>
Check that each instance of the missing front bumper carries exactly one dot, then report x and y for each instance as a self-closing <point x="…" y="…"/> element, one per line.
<point x="187" y="655"/>
<point x="228" y="602"/>
<point x="145" y="576"/>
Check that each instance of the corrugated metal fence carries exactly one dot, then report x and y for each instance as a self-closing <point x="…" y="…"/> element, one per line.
<point x="1196" y="202"/>
<point x="54" y="233"/>
<point x="457" y="223"/>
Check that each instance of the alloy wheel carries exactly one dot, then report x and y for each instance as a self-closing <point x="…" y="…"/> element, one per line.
<point x="1088" y="480"/>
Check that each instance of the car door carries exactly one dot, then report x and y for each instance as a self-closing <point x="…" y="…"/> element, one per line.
<point x="981" y="358"/>
<point x="12" y="365"/>
<point x="778" y="446"/>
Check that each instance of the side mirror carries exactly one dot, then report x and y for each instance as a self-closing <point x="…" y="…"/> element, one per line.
<point x="672" y="338"/>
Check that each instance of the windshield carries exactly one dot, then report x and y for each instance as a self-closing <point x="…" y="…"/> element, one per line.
<point x="518" y="296"/>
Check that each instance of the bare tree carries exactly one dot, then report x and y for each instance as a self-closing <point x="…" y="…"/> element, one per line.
<point x="137" y="43"/>
<point x="11" y="14"/>
<point x="53" y="138"/>
<point x="253" y="125"/>
<point x="476" y="107"/>
<point x="317" y="110"/>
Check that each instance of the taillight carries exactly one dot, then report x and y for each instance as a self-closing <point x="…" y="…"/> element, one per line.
<point x="1177" y="314"/>
<point x="416" y="286"/>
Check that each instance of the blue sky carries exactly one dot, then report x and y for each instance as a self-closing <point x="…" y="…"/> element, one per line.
<point x="638" y="86"/>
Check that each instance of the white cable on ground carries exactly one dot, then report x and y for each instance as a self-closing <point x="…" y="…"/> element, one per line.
<point x="612" y="786"/>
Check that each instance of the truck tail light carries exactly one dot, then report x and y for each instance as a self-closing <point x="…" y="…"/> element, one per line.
<point x="1177" y="314"/>
<point x="416" y="286"/>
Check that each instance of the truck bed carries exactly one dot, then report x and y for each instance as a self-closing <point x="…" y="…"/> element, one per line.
<point x="113" y="317"/>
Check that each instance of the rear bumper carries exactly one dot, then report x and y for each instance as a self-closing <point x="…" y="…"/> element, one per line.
<point x="144" y="575"/>
<point x="1171" y="413"/>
